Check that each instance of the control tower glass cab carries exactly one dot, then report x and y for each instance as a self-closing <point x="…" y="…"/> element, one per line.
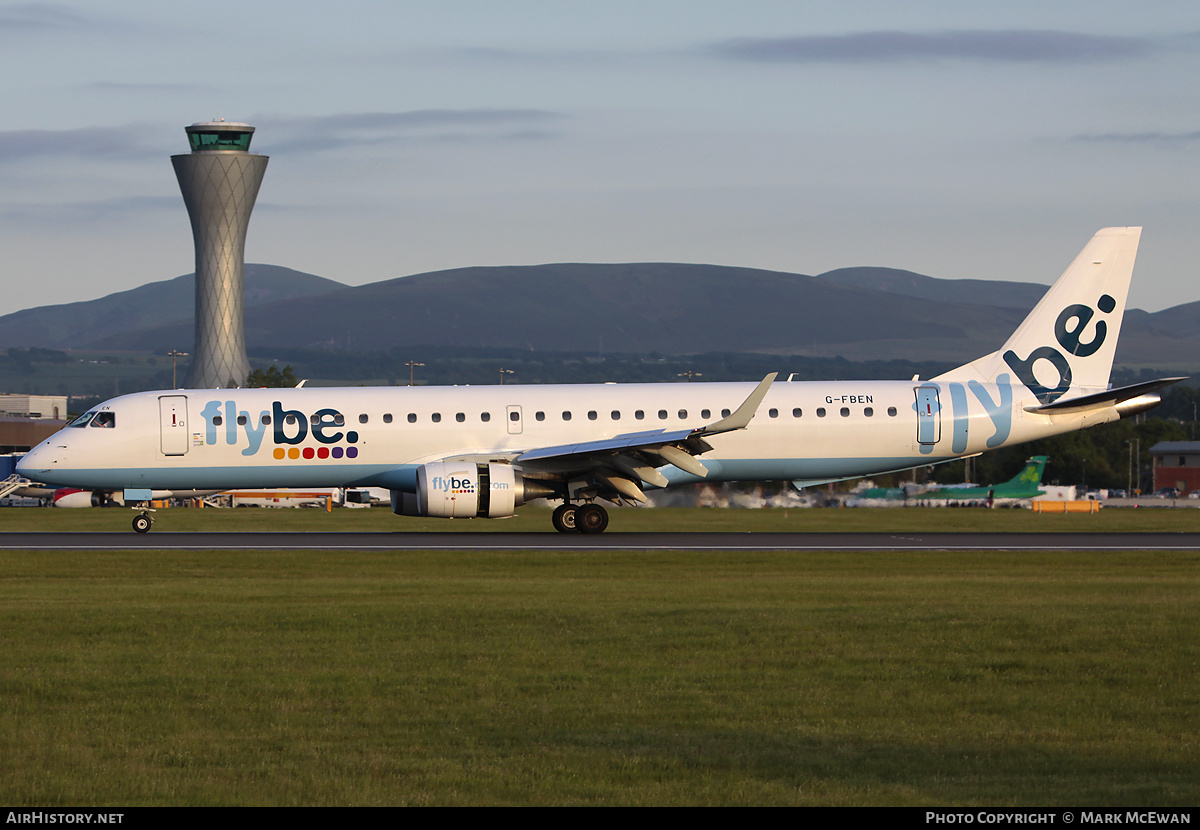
<point x="219" y="135"/>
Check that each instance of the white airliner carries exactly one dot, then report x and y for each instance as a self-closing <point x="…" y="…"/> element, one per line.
<point x="459" y="452"/>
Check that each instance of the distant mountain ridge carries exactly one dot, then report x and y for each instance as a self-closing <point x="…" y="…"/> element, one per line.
<point x="1020" y="295"/>
<point x="665" y="308"/>
<point x="75" y="325"/>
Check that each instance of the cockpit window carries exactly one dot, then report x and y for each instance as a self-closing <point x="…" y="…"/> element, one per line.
<point x="104" y="420"/>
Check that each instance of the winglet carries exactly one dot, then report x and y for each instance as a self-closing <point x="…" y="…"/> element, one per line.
<point x="741" y="418"/>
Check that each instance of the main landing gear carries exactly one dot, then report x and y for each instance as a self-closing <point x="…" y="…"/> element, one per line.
<point x="584" y="518"/>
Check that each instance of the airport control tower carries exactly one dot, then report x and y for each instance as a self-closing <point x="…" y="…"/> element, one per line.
<point x="219" y="180"/>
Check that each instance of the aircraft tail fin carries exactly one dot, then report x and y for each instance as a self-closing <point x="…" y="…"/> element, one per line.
<point x="1069" y="339"/>
<point x="1030" y="476"/>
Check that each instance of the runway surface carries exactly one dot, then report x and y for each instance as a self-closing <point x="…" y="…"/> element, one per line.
<point x="607" y="541"/>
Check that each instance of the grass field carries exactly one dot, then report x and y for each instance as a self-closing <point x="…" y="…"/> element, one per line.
<point x="624" y="677"/>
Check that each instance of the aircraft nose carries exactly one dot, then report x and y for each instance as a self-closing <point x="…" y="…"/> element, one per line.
<point x="40" y="460"/>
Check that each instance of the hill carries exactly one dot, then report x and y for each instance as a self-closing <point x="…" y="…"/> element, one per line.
<point x="74" y="325"/>
<point x="1018" y="295"/>
<point x="630" y="308"/>
<point x="638" y="308"/>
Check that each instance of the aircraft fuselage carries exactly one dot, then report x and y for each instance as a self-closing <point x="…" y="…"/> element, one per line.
<point x="803" y="431"/>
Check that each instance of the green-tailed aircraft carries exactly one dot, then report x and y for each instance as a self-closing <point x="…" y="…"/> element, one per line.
<point x="1024" y="485"/>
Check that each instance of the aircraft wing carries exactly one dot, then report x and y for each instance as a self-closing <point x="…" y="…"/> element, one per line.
<point x="620" y="462"/>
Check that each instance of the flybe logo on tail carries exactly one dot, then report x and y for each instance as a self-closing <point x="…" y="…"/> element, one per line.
<point x="1069" y="330"/>
<point x="287" y="427"/>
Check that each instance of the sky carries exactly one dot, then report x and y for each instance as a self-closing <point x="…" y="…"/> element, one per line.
<point x="984" y="140"/>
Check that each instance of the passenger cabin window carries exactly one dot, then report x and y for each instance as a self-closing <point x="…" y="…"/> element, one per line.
<point x="774" y="413"/>
<point x="485" y="416"/>
<point x="797" y="412"/>
<point x="362" y="419"/>
<point x="541" y="416"/>
<point x="436" y="417"/>
<point x="592" y="415"/>
<point x="821" y="412"/>
<point x="705" y="414"/>
<point x="461" y="417"/>
<point x="566" y="416"/>
<point x="845" y="412"/>
<point x="218" y="420"/>
<point x="891" y="412"/>
<point x="412" y="418"/>
<point x="241" y="420"/>
<point x="616" y="416"/>
<point x="514" y="415"/>
<point x="868" y="412"/>
<point x="662" y="414"/>
<point x="725" y="413"/>
<point x="682" y="414"/>
<point x="387" y="417"/>
<point x="266" y="419"/>
<point x="640" y="415"/>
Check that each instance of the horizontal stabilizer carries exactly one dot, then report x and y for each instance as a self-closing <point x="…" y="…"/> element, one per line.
<point x="1107" y="398"/>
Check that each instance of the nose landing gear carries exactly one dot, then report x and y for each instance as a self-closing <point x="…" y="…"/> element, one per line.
<point x="143" y="521"/>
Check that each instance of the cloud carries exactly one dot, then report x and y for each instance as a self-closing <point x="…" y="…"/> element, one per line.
<point x="113" y="86"/>
<point x="1014" y="46"/>
<point x="43" y="215"/>
<point x="25" y="16"/>
<point x="1138" y="138"/>
<point x="366" y="128"/>
<point x="89" y="142"/>
<point x="292" y="134"/>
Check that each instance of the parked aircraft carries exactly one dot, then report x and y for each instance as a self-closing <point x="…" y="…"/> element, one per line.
<point x="1024" y="485"/>
<point x="458" y="452"/>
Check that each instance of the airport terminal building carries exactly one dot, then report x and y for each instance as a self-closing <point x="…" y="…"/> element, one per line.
<point x="1176" y="464"/>
<point x="28" y="420"/>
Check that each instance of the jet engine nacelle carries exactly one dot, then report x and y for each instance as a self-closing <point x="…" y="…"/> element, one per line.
<point x="466" y="490"/>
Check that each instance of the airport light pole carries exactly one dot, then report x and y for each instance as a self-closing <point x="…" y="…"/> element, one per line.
<point x="1129" y="492"/>
<point x="689" y="374"/>
<point x="410" y="364"/>
<point x="504" y="372"/>
<point x="173" y="354"/>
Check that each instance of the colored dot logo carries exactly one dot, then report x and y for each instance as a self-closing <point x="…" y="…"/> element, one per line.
<point x="309" y="453"/>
